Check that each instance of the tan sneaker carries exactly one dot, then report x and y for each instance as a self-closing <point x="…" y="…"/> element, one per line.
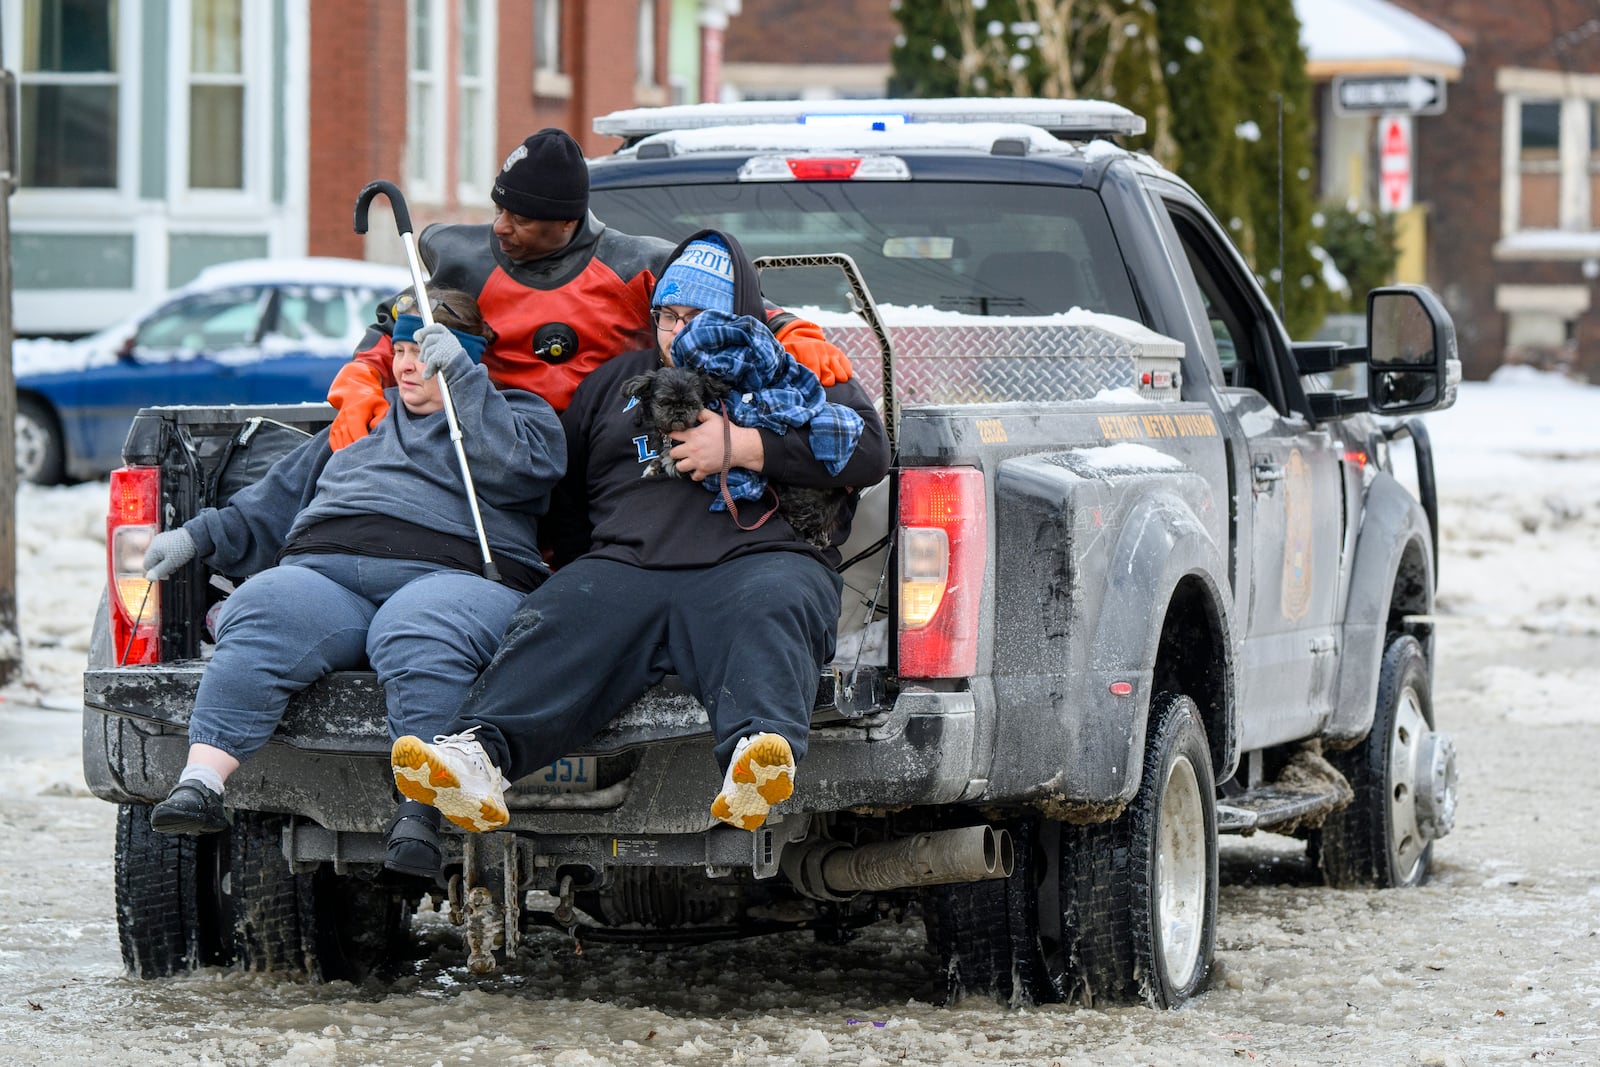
<point x="760" y="775"/>
<point x="454" y="775"/>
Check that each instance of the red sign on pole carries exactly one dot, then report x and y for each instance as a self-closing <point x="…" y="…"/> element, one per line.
<point x="1394" y="162"/>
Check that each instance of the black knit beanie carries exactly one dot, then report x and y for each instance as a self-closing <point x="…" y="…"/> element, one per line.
<point x="544" y="177"/>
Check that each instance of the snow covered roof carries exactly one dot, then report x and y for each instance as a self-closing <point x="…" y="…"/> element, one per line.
<point x="1373" y="36"/>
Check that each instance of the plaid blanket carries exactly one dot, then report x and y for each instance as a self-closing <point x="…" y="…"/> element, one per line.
<point x="770" y="391"/>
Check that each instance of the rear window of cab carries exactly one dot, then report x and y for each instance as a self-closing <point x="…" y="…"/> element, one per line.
<point x="976" y="248"/>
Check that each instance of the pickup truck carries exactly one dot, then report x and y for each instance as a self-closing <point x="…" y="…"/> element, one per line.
<point x="1142" y="574"/>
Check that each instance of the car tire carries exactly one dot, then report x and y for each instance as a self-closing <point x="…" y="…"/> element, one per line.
<point x="1375" y="840"/>
<point x="41" y="453"/>
<point x="170" y="917"/>
<point x="1106" y="913"/>
<point x="329" y="926"/>
<point x="988" y="934"/>
<point x="1138" y="894"/>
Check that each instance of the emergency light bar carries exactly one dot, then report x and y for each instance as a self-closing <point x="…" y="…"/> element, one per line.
<point x="1076" y="119"/>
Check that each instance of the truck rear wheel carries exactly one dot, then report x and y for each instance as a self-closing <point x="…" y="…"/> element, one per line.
<point x="1138" y="894"/>
<point x="171" y="915"/>
<point x="987" y="934"/>
<point x="1377" y="840"/>
<point x="1111" y="912"/>
<point x="330" y="926"/>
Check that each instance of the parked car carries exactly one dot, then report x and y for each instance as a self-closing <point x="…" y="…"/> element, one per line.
<point x="262" y="331"/>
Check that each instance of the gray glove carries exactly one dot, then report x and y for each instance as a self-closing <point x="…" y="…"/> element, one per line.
<point x="168" y="551"/>
<point x="441" y="350"/>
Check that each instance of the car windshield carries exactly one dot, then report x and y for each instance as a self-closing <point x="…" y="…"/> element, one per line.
<point x="979" y="249"/>
<point x="202" y="323"/>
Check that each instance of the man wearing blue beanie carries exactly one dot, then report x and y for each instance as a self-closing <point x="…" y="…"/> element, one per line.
<point x="652" y="581"/>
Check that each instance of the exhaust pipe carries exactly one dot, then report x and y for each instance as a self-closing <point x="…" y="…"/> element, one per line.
<point x="833" y="870"/>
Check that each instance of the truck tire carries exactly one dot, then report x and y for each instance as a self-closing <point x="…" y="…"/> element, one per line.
<point x="1138" y="894"/>
<point x="330" y="926"/>
<point x="272" y="905"/>
<point x="170" y="914"/>
<point x="1375" y="840"/>
<point x="987" y="934"/>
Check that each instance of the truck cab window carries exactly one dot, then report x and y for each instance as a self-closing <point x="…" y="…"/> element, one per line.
<point x="1242" y="328"/>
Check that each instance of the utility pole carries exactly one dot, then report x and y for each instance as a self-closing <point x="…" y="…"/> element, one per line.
<point x="10" y="638"/>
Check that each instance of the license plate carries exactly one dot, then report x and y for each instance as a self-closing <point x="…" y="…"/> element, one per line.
<point x="575" y="774"/>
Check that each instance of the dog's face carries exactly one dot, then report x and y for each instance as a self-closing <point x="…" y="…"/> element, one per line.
<point x="671" y="398"/>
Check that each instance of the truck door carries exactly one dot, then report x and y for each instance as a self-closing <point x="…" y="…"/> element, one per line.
<point x="1288" y="492"/>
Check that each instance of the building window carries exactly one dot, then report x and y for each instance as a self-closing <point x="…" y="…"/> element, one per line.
<point x="216" y="95"/>
<point x="1551" y="159"/>
<point x="645" y="60"/>
<point x="424" y="101"/>
<point x="70" y="94"/>
<point x="475" y="148"/>
<point x="549" y="71"/>
<point x="1539" y="164"/>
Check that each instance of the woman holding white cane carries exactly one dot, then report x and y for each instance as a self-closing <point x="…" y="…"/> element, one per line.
<point x="379" y="561"/>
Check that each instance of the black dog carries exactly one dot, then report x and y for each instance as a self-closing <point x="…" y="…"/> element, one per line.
<point x="671" y="399"/>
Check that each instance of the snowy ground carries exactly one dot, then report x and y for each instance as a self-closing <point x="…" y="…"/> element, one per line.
<point x="1497" y="960"/>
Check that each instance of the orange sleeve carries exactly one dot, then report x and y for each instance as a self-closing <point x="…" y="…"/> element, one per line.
<point x="379" y="355"/>
<point x="804" y="341"/>
<point x="357" y="393"/>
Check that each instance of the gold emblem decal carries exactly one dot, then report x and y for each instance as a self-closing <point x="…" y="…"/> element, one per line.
<point x="1296" y="599"/>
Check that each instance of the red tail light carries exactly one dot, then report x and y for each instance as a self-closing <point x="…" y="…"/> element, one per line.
<point x="944" y="538"/>
<point x="815" y="169"/>
<point x="133" y="519"/>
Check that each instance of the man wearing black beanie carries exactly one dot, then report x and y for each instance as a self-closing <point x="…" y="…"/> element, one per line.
<point x="545" y="262"/>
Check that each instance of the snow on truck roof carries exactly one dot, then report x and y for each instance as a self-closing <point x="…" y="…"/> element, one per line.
<point x="1079" y="119"/>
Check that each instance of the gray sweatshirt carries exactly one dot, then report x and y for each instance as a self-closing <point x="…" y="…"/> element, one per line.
<point x="406" y="469"/>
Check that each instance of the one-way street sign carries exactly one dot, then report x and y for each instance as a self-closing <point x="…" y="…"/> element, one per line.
<point x="1407" y="94"/>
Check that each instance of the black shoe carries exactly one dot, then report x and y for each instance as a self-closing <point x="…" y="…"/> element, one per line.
<point x="191" y="808"/>
<point x="413" y="847"/>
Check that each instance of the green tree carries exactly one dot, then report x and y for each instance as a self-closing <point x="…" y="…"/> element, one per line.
<point x="1062" y="49"/>
<point x="1273" y="66"/>
<point x="1206" y="75"/>
<point x="1364" y="246"/>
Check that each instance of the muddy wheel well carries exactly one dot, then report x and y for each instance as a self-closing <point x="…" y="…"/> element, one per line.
<point x="1412" y="600"/>
<point x="1192" y="659"/>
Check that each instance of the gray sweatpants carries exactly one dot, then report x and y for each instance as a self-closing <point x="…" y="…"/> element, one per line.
<point x="426" y="630"/>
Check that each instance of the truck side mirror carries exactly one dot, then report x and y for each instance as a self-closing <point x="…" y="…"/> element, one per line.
<point x="1412" y="364"/>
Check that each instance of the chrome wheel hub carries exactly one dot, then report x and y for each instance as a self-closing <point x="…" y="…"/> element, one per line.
<point x="1422" y="783"/>
<point x="1181" y="873"/>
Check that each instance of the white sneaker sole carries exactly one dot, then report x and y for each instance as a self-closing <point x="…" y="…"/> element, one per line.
<point x="422" y="775"/>
<point x="761" y="775"/>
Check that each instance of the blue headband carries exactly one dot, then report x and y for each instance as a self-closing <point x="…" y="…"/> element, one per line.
<point x="406" y="327"/>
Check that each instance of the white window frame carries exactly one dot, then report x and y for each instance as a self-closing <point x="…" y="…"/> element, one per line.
<point x="550" y="77"/>
<point x="645" y="72"/>
<point x="37" y="202"/>
<point x="475" y="176"/>
<point x="1576" y="93"/>
<point x="647" y="91"/>
<point x="255" y="55"/>
<point x="428" y="129"/>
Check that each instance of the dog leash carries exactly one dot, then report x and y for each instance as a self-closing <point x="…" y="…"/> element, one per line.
<point x="727" y="459"/>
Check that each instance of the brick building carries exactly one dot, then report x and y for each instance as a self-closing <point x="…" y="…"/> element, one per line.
<point x="803" y="49"/>
<point x="1512" y="172"/>
<point x="159" y="137"/>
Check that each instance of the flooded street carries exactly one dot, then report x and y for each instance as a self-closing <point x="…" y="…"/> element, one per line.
<point x="1496" y="960"/>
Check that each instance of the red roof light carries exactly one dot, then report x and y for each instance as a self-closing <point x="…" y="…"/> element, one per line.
<point x="812" y="169"/>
